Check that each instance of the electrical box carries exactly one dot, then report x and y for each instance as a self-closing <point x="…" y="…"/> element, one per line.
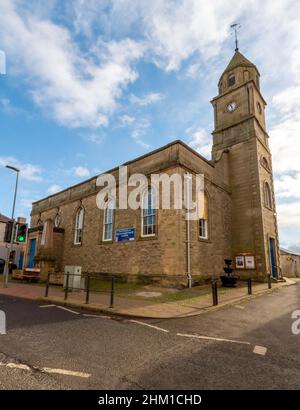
<point x="76" y="281"/>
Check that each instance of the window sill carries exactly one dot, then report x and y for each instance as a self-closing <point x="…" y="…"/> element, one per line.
<point x="206" y="240"/>
<point x="147" y="238"/>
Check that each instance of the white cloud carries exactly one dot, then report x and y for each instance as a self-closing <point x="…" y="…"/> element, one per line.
<point x="27" y="203"/>
<point x="53" y="189"/>
<point x="94" y="138"/>
<point x="29" y="172"/>
<point x="200" y="141"/>
<point x="81" y="172"/>
<point x="289" y="214"/>
<point x="77" y="89"/>
<point x="140" y="129"/>
<point x="126" y="120"/>
<point x="146" y="99"/>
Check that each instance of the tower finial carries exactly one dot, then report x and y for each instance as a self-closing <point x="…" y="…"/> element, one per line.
<point x="235" y="27"/>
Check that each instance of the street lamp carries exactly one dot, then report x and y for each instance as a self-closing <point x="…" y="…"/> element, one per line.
<point x="6" y="267"/>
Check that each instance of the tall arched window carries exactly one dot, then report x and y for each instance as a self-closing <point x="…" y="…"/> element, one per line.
<point x="149" y="226"/>
<point x="79" y="226"/>
<point x="267" y="195"/>
<point x="108" y="220"/>
<point x="203" y="220"/>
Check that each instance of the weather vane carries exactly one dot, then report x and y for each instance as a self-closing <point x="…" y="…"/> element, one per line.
<point x="235" y="27"/>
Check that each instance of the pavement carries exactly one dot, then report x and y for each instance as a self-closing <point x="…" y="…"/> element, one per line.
<point x="246" y="345"/>
<point x="137" y="307"/>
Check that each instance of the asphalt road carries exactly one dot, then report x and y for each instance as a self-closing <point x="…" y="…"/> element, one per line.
<point x="110" y="353"/>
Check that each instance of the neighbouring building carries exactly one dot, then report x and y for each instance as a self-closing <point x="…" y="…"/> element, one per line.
<point x="238" y="222"/>
<point x="290" y="263"/>
<point x="18" y="249"/>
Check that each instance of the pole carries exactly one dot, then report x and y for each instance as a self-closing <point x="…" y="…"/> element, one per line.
<point x="112" y="292"/>
<point x="249" y="286"/>
<point x="67" y="287"/>
<point x="10" y="248"/>
<point x="188" y="238"/>
<point x="87" y="296"/>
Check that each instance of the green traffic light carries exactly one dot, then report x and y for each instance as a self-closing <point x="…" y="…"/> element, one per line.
<point x="21" y="239"/>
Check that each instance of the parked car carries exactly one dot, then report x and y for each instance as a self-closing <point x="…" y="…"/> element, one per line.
<point x="12" y="266"/>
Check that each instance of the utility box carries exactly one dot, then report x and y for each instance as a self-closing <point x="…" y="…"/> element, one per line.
<point x="76" y="281"/>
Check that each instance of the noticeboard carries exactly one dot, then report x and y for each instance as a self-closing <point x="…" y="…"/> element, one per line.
<point x="125" y="234"/>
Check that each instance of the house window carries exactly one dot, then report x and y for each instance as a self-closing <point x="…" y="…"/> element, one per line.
<point x="203" y="220"/>
<point x="79" y="226"/>
<point x="149" y="213"/>
<point x="108" y="217"/>
<point x="267" y="196"/>
<point x="231" y="80"/>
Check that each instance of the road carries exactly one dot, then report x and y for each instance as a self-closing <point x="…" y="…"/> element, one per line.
<point x="246" y="346"/>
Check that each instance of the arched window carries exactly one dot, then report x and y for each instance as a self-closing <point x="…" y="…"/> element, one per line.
<point x="57" y="221"/>
<point x="79" y="226"/>
<point x="267" y="195"/>
<point x="203" y="220"/>
<point x="149" y="213"/>
<point x="265" y="163"/>
<point x="231" y="80"/>
<point x="108" y="220"/>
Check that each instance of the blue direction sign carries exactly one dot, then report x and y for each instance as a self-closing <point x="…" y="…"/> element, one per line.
<point x="125" y="234"/>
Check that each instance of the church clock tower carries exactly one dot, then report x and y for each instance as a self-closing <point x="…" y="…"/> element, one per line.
<point x="240" y="141"/>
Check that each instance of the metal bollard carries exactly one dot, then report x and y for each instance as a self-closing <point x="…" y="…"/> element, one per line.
<point x="215" y="293"/>
<point x="269" y="282"/>
<point x="47" y="285"/>
<point x="249" y="286"/>
<point x="112" y="292"/>
<point x="87" y="297"/>
<point x="67" y="287"/>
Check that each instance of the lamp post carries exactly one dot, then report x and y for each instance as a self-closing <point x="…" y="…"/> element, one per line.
<point x="6" y="267"/>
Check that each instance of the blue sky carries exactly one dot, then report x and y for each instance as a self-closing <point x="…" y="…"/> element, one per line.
<point x="90" y="84"/>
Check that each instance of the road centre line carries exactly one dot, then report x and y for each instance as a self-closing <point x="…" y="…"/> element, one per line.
<point x="148" y="325"/>
<point x="45" y="370"/>
<point x="260" y="350"/>
<point x="218" y="339"/>
<point x="47" y="306"/>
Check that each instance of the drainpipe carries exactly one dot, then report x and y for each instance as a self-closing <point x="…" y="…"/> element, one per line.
<point x="188" y="239"/>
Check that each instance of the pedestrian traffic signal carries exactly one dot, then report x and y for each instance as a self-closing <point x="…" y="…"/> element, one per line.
<point x="21" y="233"/>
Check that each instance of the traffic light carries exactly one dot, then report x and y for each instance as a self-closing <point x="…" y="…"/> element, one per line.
<point x="8" y="231"/>
<point x="21" y="233"/>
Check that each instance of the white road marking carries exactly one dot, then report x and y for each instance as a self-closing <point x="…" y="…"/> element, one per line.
<point x="218" y="339"/>
<point x="16" y="366"/>
<point x="47" y="306"/>
<point x="260" y="350"/>
<point x="68" y="310"/>
<point x="101" y="316"/>
<point x="65" y="372"/>
<point x="239" y="307"/>
<point x="45" y="370"/>
<point x="147" y="324"/>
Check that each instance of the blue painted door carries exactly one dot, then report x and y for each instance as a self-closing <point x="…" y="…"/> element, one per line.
<point x="20" y="265"/>
<point x="273" y="258"/>
<point x="31" y="253"/>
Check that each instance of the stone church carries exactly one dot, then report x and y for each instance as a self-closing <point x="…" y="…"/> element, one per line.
<point x="239" y="219"/>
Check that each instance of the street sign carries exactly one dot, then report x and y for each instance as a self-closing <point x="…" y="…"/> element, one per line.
<point x="125" y="234"/>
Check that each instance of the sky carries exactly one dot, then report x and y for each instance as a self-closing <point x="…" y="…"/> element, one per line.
<point x="90" y="84"/>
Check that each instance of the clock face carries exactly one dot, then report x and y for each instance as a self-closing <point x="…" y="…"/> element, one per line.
<point x="231" y="106"/>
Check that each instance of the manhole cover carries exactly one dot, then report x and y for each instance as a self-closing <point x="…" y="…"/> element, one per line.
<point x="149" y="294"/>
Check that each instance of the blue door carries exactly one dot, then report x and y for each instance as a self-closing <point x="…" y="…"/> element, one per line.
<point x="31" y="253"/>
<point x="273" y="258"/>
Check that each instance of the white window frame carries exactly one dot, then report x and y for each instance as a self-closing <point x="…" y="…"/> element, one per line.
<point x="79" y="226"/>
<point x="205" y="228"/>
<point x="108" y="220"/>
<point x="153" y="214"/>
